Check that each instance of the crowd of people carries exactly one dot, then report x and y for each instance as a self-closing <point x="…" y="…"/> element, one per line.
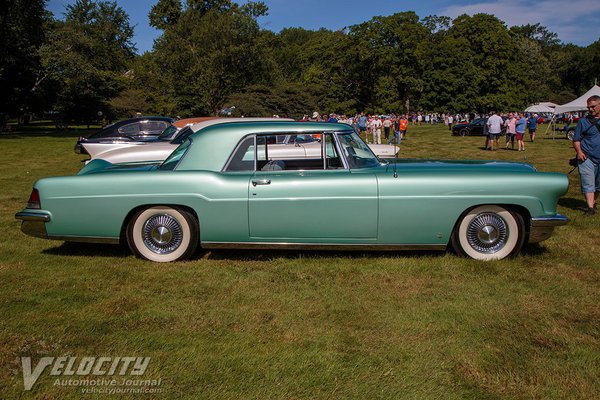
<point x="514" y="126"/>
<point x="394" y="127"/>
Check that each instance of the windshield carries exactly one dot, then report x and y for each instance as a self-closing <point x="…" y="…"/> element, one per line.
<point x="171" y="162"/>
<point x="182" y="135"/>
<point x="168" y="133"/>
<point x="358" y="154"/>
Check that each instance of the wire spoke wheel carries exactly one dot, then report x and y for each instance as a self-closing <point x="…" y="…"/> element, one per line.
<point x="489" y="233"/>
<point x="162" y="234"/>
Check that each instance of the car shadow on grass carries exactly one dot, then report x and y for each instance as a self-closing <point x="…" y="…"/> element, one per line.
<point x="533" y="249"/>
<point x="266" y="255"/>
<point x="572" y="203"/>
<point x="89" y="249"/>
<point x="74" y="249"/>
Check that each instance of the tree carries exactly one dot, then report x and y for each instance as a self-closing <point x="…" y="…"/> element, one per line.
<point x="475" y="67"/>
<point x="22" y="25"/>
<point x="286" y="100"/>
<point x="392" y="51"/>
<point x="88" y="54"/>
<point x="217" y="49"/>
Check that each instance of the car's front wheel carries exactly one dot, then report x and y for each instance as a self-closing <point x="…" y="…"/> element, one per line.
<point x="489" y="233"/>
<point x="163" y="234"/>
<point x="464" y="132"/>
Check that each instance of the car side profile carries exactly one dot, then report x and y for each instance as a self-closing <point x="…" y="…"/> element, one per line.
<point x="224" y="188"/>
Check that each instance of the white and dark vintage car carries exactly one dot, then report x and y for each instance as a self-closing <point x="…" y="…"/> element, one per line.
<point x="159" y="149"/>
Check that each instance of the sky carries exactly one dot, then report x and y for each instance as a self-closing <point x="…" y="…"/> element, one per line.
<point x="575" y="21"/>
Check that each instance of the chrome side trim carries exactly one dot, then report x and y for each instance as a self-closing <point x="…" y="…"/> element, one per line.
<point x="32" y="216"/>
<point x="555" y="220"/>
<point x="542" y="227"/>
<point x="319" y="246"/>
<point x="86" y="239"/>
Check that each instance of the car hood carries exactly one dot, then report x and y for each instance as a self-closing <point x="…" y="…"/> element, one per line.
<point x="458" y="165"/>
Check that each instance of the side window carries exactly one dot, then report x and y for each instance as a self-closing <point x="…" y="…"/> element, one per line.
<point x="242" y="158"/>
<point x="333" y="160"/>
<point x="130" y="129"/>
<point x="296" y="152"/>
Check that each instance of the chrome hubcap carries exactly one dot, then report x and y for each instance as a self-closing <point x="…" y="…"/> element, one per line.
<point x="162" y="234"/>
<point x="487" y="233"/>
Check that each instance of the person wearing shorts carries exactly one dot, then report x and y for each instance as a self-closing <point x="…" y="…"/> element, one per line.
<point x="520" y="131"/>
<point x="532" y="125"/>
<point x="586" y="143"/>
<point x="494" y="125"/>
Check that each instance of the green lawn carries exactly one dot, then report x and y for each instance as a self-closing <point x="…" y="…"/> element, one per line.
<point x="306" y="325"/>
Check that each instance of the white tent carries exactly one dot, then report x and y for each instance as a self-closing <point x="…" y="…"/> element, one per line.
<point x="539" y="108"/>
<point x="580" y="103"/>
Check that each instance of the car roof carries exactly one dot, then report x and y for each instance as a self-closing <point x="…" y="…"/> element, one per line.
<point x="215" y="121"/>
<point x="181" y="123"/>
<point x="212" y="145"/>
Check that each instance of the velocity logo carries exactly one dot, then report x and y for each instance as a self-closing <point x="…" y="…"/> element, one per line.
<point x="84" y="366"/>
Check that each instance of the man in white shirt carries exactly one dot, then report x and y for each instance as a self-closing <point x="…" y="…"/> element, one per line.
<point x="376" y="125"/>
<point x="494" y="125"/>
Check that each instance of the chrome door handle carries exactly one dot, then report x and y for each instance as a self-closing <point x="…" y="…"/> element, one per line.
<point x="261" y="182"/>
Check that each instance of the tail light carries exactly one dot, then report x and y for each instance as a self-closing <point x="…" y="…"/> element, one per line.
<point x="34" y="199"/>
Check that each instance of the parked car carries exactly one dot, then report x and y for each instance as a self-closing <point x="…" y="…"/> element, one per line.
<point x="568" y="119"/>
<point x="221" y="189"/>
<point x="474" y="128"/>
<point x="134" y="129"/>
<point x="157" y="150"/>
<point x="104" y="148"/>
<point x="543" y="119"/>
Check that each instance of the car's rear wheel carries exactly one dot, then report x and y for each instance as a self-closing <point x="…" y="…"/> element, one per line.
<point x="570" y="134"/>
<point x="163" y="234"/>
<point x="489" y="233"/>
<point x="464" y="132"/>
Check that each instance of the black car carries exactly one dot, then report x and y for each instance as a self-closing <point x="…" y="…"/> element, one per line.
<point x="476" y="127"/>
<point x="134" y="129"/>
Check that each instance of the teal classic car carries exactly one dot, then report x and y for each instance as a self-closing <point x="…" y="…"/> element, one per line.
<point x="226" y="187"/>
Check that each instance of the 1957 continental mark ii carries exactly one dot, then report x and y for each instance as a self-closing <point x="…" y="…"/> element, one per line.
<point x="232" y="186"/>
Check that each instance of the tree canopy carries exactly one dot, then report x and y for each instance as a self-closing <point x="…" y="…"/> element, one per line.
<point x="213" y="54"/>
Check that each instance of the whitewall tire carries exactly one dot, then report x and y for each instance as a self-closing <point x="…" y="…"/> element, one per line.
<point x="489" y="233"/>
<point x="163" y="234"/>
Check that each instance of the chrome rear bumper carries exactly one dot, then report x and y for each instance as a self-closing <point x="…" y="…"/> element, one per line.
<point x="34" y="223"/>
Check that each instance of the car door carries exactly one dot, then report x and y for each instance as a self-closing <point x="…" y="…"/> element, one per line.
<point x="332" y="205"/>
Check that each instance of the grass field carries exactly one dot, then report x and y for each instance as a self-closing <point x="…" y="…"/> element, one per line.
<point x="306" y="325"/>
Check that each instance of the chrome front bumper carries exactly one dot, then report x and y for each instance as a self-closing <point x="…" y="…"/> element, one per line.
<point x="541" y="228"/>
<point x="34" y="223"/>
